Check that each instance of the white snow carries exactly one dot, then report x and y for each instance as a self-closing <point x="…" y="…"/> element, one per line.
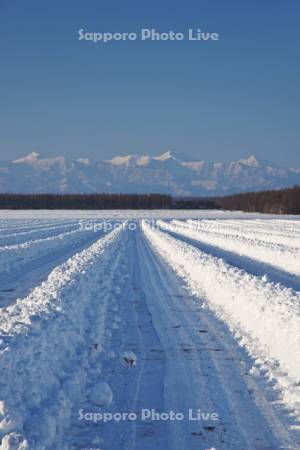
<point x="264" y="315"/>
<point x="14" y="441"/>
<point x="161" y="173"/>
<point x="28" y="159"/>
<point x="129" y="358"/>
<point x="44" y="345"/>
<point x="186" y="309"/>
<point x="19" y="254"/>
<point x="133" y="214"/>
<point x="101" y="394"/>
<point x="281" y="252"/>
<point x="164" y="156"/>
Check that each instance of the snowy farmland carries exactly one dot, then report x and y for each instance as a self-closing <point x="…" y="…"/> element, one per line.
<point x="166" y="330"/>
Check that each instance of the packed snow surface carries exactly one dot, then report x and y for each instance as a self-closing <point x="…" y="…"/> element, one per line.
<point x="113" y="321"/>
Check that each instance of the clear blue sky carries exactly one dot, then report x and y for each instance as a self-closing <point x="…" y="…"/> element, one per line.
<point x="217" y="100"/>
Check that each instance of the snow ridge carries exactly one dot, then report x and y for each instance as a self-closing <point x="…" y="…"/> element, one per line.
<point x="264" y="316"/>
<point x="43" y="339"/>
<point x="278" y="255"/>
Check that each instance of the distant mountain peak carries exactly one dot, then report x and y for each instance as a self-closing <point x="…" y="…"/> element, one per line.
<point x="85" y="161"/>
<point x="140" y="160"/>
<point x="121" y="160"/>
<point x="252" y="161"/>
<point x="164" y="173"/>
<point x="164" y="156"/>
<point x="28" y="159"/>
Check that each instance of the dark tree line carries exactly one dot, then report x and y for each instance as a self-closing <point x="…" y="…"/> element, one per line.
<point x="194" y="203"/>
<point x="85" y="201"/>
<point x="283" y="201"/>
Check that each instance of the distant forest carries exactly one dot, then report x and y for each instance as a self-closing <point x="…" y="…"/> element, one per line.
<point x="85" y="201"/>
<point x="283" y="201"/>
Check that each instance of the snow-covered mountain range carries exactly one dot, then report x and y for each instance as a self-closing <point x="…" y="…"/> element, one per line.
<point x="142" y="174"/>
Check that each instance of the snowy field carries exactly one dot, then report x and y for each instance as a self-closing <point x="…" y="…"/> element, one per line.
<point x="154" y="330"/>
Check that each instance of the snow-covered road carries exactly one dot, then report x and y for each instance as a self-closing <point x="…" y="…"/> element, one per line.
<point x="192" y="327"/>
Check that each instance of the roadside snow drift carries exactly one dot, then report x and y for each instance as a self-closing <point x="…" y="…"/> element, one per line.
<point x="265" y="316"/>
<point x="44" y="348"/>
<point x="167" y="316"/>
<point x="13" y="257"/>
<point x="279" y="255"/>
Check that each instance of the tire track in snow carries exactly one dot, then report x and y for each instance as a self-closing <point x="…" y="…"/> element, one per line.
<point x="43" y="347"/>
<point x="178" y="368"/>
<point x="21" y="226"/>
<point x="18" y="283"/>
<point x="250" y="232"/>
<point x="122" y="294"/>
<point x="250" y="265"/>
<point x="137" y="387"/>
<point x="22" y="237"/>
<point x="14" y="257"/>
<point x="102" y="362"/>
<point x="239" y="300"/>
<point x="286" y="260"/>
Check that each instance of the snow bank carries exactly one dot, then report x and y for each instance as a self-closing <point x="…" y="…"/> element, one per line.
<point x="265" y="316"/>
<point x="20" y="237"/>
<point x="44" y="347"/>
<point x="101" y="394"/>
<point x="277" y="255"/>
<point x="15" y="256"/>
<point x="267" y="232"/>
<point x="9" y="226"/>
<point x="44" y="214"/>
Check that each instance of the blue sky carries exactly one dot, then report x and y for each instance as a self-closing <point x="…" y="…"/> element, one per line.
<point x="215" y="100"/>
